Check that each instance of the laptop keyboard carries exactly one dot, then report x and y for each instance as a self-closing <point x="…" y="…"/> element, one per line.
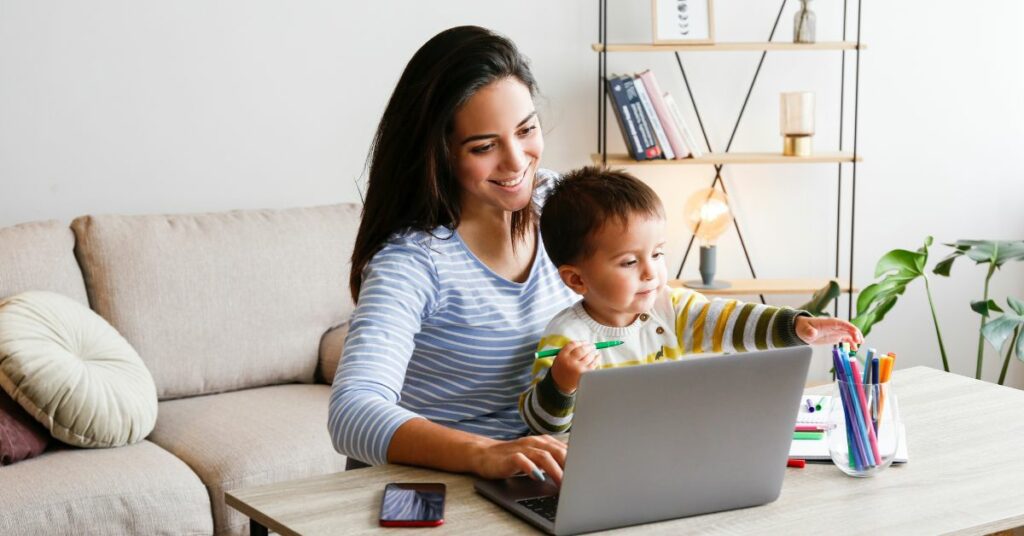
<point x="546" y="507"/>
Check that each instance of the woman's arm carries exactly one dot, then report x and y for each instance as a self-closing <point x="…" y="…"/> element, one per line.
<point x="427" y="444"/>
<point x="364" y="419"/>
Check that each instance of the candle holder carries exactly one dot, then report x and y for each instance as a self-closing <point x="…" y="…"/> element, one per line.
<point x="796" y="122"/>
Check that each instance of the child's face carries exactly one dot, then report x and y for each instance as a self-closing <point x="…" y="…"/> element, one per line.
<point x="625" y="272"/>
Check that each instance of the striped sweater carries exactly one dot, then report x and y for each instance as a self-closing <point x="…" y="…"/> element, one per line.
<point x="681" y="322"/>
<point x="437" y="334"/>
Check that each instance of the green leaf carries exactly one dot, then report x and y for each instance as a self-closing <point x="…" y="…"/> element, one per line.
<point x="1015" y="304"/>
<point x="998" y="330"/>
<point x="901" y="260"/>
<point x="820" y="300"/>
<point x="983" y="307"/>
<point x="1009" y="251"/>
<point x="986" y="251"/>
<point x="945" y="265"/>
<point x="1020" y="346"/>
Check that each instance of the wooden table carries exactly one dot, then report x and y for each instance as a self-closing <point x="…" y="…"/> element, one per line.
<point x="965" y="476"/>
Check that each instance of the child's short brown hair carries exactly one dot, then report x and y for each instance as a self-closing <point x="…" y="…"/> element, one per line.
<point x="584" y="201"/>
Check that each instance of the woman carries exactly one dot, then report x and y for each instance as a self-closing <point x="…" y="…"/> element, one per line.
<point x="451" y="283"/>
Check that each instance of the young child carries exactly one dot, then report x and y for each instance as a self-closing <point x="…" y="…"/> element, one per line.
<point x="605" y="231"/>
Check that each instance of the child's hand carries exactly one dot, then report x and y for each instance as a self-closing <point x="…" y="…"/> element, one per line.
<point x="813" y="330"/>
<point x="571" y="362"/>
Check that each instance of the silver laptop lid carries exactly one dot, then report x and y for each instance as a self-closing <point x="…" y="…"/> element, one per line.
<point x="680" y="438"/>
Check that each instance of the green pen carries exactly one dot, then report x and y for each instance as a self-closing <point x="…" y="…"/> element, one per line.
<point x="808" y="435"/>
<point x="554" y="351"/>
<point x="817" y="406"/>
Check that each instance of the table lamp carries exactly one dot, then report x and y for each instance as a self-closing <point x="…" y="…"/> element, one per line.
<point x="707" y="215"/>
<point x="796" y="122"/>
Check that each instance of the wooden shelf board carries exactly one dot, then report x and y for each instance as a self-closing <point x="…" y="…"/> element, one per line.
<point x="824" y="157"/>
<point x="730" y="47"/>
<point x="767" y="286"/>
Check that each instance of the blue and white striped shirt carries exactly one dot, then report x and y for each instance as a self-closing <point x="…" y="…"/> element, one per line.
<point x="437" y="334"/>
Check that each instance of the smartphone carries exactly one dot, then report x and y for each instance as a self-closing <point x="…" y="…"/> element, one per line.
<point x="412" y="505"/>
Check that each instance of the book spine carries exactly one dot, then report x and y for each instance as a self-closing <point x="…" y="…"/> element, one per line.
<point x="651" y="150"/>
<point x="675" y="138"/>
<point x="659" y="131"/>
<point x="620" y="104"/>
<point x="695" y="150"/>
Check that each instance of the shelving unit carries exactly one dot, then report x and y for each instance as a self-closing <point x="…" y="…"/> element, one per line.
<point x="823" y="157"/>
<point x="729" y="47"/>
<point x="718" y="159"/>
<point x="747" y="287"/>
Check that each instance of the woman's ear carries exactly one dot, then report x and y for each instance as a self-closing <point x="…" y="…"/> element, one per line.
<point x="573" y="278"/>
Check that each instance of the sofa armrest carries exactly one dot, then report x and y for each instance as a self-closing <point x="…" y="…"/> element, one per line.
<point x="331" y="346"/>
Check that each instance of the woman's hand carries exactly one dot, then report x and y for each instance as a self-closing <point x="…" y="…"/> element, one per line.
<point x="813" y="330"/>
<point x="571" y="362"/>
<point x="502" y="459"/>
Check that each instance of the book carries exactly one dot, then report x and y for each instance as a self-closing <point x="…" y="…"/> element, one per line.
<point x="651" y="150"/>
<point x="691" y="142"/>
<point x="818" y="449"/>
<point x="668" y="124"/>
<point x="659" y="132"/>
<point x="620" y="104"/>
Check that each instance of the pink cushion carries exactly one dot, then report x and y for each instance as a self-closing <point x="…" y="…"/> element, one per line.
<point x="21" y="437"/>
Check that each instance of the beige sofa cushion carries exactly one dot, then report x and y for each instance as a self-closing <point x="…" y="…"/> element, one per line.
<point x="249" y="438"/>
<point x="73" y="372"/>
<point x="39" y="256"/>
<point x="141" y="489"/>
<point x="331" y="347"/>
<point x="218" y="302"/>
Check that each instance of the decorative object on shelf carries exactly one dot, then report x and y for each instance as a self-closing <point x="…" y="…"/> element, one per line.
<point x="804" y="24"/>
<point x="708" y="216"/>
<point x="682" y="22"/>
<point x="796" y="122"/>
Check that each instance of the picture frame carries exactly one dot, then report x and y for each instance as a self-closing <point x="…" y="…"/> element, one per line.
<point x="682" y="22"/>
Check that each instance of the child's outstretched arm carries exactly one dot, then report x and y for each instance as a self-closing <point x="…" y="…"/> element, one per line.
<point x="731" y="326"/>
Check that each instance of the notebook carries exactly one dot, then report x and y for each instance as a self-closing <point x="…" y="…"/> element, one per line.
<point x="810" y="449"/>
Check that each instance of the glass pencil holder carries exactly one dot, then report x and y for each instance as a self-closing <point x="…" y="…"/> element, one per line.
<point x="863" y="430"/>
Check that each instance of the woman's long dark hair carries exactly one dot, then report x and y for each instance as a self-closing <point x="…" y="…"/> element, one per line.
<point x="411" y="183"/>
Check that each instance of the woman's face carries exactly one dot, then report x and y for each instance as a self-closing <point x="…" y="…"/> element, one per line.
<point x="496" y="145"/>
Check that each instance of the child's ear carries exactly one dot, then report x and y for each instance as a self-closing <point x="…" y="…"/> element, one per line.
<point x="573" y="278"/>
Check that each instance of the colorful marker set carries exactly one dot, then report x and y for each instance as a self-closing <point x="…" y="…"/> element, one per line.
<point x="863" y="401"/>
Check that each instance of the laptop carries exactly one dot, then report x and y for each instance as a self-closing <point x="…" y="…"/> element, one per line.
<point x="668" y="440"/>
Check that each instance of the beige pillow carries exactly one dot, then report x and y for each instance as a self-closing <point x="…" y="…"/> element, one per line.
<point x="73" y="372"/>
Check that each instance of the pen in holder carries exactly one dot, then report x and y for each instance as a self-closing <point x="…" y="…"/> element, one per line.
<point x="863" y="432"/>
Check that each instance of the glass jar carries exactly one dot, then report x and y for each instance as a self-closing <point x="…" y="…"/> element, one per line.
<point x="804" y="24"/>
<point x="864" y="424"/>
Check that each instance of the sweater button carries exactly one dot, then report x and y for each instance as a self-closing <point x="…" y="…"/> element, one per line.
<point x="660" y="330"/>
<point x="644" y="317"/>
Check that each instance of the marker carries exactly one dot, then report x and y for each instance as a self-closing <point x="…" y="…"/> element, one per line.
<point x="796" y="462"/>
<point x="810" y="407"/>
<point x="810" y="428"/>
<point x="814" y="436"/>
<point x="554" y="351"/>
<point x="818" y="405"/>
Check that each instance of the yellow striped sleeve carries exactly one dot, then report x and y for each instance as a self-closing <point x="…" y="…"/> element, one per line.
<point x="723" y="320"/>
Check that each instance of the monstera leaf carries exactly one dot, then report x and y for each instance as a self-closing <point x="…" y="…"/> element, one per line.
<point x="1007" y="326"/>
<point x="895" y="270"/>
<point x="820" y="300"/>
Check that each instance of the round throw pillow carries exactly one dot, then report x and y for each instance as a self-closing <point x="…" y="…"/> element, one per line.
<point x="73" y="372"/>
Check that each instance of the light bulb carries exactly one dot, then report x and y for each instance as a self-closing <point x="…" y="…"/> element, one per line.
<point x="707" y="215"/>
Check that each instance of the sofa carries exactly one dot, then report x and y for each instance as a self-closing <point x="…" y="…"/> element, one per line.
<point x="239" y="316"/>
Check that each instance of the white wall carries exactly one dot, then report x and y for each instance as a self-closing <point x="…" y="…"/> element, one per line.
<point x="143" y="106"/>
